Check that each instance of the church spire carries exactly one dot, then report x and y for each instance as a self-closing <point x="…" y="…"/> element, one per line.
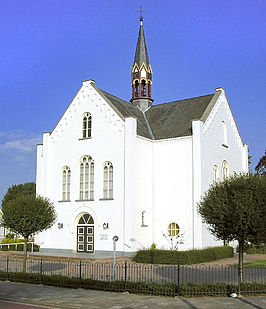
<point x="141" y="73"/>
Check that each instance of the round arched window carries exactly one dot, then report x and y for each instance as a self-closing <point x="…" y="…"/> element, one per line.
<point x="173" y="229"/>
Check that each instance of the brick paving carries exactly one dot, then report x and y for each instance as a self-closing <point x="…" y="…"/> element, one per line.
<point x="54" y="297"/>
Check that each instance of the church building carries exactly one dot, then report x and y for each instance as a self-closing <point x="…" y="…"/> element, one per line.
<point x="135" y="169"/>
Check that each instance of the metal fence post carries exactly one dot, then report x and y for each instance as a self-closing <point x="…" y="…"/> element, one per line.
<point x="7" y="266"/>
<point x="41" y="270"/>
<point x="80" y="274"/>
<point x="178" y="280"/>
<point x="125" y="280"/>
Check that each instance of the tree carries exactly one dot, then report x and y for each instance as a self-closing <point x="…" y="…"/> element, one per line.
<point x="28" y="188"/>
<point x="235" y="209"/>
<point x="261" y="166"/>
<point x="27" y="215"/>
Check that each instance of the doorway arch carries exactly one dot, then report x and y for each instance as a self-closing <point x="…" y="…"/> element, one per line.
<point x="85" y="234"/>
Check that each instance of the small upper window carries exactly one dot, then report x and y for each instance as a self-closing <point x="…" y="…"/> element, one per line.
<point x="224" y="134"/>
<point x="143" y="219"/>
<point x="215" y="173"/>
<point x="173" y="229"/>
<point x="225" y="170"/>
<point x="86" y="128"/>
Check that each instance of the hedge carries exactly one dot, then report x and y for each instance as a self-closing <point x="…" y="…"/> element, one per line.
<point x="168" y="289"/>
<point x="256" y="249"/>
<point x="155" y="256"/>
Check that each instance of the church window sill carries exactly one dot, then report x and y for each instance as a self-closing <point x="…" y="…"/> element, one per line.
<point x="87" y="200"/>
<point x="224" y="145"/>
<point x="106" y="199"/>
<point x="84" y="138"/>
<point x="64" y="201"/>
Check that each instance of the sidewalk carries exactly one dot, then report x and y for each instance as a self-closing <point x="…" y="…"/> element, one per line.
<point x="54" y="297"/>
<point x="121" y="259"/>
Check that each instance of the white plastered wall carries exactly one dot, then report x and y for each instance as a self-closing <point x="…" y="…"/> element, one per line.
<point x="64" y="146"/>
<point x="214" y="150"/>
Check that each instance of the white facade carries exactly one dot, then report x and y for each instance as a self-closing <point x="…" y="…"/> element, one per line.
<point x="155" y="181"/>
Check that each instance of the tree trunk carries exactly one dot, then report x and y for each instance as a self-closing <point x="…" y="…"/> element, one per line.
<point x="25" y="253"/>
<point x="240" y="261"/>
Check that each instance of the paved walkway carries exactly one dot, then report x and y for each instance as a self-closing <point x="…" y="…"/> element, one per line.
<point x="121" y="259"/>
<point x="54" y="297"/>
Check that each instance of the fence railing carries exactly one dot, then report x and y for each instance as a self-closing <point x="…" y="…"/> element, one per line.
<point x="128" y="272"/>
<point x="15" y="244"/>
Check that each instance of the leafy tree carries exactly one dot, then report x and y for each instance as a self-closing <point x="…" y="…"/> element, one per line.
<point x="235" y="209"/>
<point x="28" y="188"/>
<point x="261" y="166"/>
<point x="27" y="215"/>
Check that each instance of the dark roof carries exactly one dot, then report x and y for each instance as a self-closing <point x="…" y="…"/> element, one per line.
<point x="129" y="110"/>
<point x="167" y="120"/>
<point x="174" y="119"/>
<point x="141" y="54"/>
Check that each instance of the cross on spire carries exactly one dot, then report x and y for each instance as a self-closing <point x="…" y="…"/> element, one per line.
<point x="140" y="14"/>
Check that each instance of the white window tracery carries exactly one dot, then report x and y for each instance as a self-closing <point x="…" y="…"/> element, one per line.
<point x="66" y="181"/>
<point x="225" y="169"/>
<point x="215" y="173"/>
<point x="86" y="178"/>
<point x="108" y="180"/>
<point x="86" y="126"/>
<point x="173" y="229"/>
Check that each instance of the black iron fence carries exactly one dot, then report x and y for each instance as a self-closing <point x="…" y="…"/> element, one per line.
<point x="178" y="276"/>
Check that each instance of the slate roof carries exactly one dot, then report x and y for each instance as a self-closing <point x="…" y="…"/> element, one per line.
<point x="129" y="110"/>
<point x="141" y="54"/>
<point x="174" y="119"/>
<point x="167" y="120"/>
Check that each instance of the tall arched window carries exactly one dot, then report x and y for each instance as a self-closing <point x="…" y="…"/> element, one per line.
<point x="225" y="169"/>
<point x="66" y="179"/>
<point x="86" y="178"/>
<point x="224" y="134"/>
<point x="108" y="180"/>
<point x="215" y="173"/>
<point x="86" y="128"/>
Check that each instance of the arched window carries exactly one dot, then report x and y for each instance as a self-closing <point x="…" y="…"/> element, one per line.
<point x="215" y="173"/>
<point x="86" y="178"/>
<point x="173" y="229"/>
<point x="143" y="88"/>
<point x="86" y="129"/>
<point x="143" y="219"/>
<point x="108" y="180"/>
<point x="225" y="169"/>
<point x="224" y="133"/>
<point x="66" y="179"/>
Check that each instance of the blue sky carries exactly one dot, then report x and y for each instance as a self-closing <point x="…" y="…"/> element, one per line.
<point x="49" y="47"/>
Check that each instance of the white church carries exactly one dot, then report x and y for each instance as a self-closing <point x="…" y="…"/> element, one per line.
<point x="135" y="169"/>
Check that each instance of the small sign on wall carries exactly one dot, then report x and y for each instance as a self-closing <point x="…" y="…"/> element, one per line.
<point x="103" y="236"/>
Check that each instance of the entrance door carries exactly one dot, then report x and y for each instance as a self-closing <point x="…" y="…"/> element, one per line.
<point x="85" y="234"/>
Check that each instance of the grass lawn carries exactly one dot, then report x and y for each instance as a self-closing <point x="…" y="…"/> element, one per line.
<point x="258" y="263"/>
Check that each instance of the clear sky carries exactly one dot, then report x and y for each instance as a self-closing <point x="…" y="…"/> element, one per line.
<point x="48" y="47"/>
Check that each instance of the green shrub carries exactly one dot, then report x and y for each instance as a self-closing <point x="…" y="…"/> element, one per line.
<point x="11" y="240"/>
<point x="154" y="256"/>
<point x="260" y="249"/>
<point x="168" y="289"/>
<point x="18" y="247"/>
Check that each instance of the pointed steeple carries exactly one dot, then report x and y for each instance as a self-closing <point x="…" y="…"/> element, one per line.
<point x="141" y="74"/>
<point x="141" y="54"/>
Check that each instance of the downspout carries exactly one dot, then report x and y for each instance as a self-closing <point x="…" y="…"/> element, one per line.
<point x="193" y="199"/>
<point x="152" y="166"/>
<point x="124" y="195"/>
